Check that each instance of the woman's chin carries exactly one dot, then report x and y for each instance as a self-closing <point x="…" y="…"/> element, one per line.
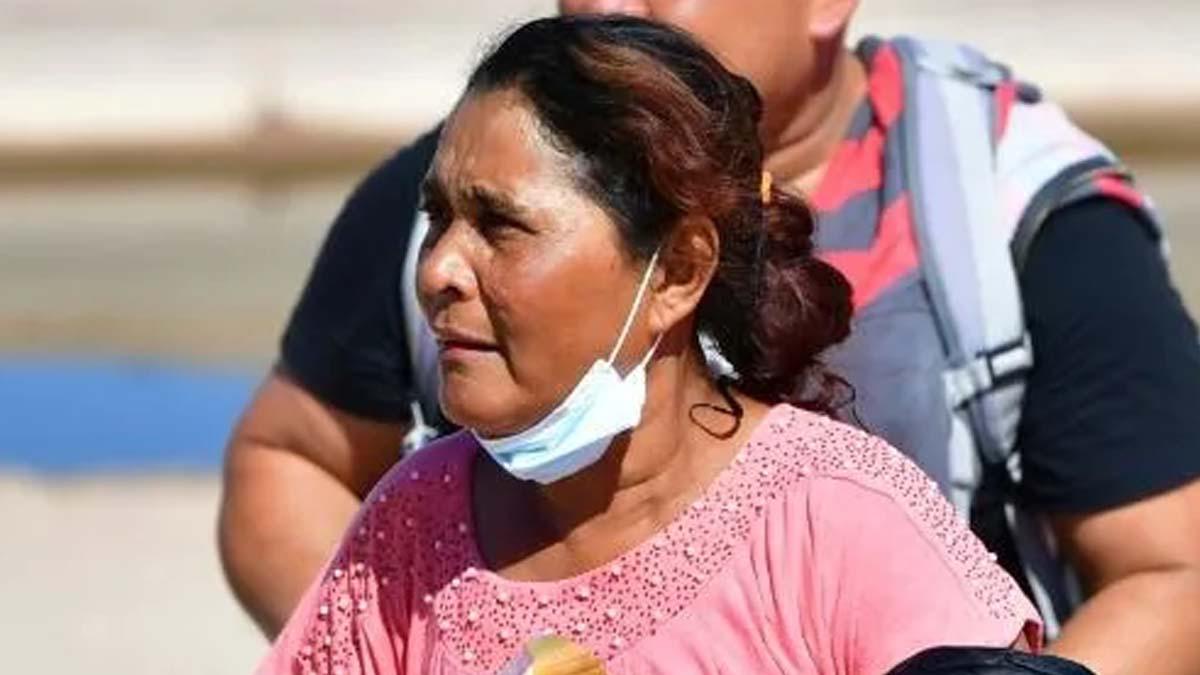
<point x="468" y="400"/>
<point x="482" y="415"/>
<point x="469" y="412"/>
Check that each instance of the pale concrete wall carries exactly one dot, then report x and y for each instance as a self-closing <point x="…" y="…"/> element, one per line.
<point x="75" y="69"/>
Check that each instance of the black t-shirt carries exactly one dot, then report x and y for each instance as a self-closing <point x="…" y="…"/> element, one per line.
<point x="1109" y="413"/>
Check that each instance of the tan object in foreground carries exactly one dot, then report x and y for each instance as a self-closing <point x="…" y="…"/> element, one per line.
<point x="553" y="655"/>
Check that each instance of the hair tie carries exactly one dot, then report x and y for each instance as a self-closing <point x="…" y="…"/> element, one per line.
<point x="765" y="187"/>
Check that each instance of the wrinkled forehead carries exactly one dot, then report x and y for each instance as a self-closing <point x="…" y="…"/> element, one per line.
<point x="494" y="151"/>
<point x="492" y="135"/>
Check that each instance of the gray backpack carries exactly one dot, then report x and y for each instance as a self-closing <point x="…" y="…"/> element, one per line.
<point x="986" y="162"/>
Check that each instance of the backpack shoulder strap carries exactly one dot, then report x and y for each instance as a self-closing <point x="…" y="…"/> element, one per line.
<point x="986" y="162"/>
<point x="949" y="131"/>
<point x="1044" y="162"/>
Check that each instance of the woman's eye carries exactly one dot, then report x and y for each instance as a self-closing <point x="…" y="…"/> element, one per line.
<point x="497" y="225"/>
<point x="439" y="218"/>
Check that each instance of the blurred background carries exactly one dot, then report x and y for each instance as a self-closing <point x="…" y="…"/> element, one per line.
<point x="167" y="171"/>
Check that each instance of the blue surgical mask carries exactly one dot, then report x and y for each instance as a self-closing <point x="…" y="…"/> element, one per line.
<point x="578" y="431"/>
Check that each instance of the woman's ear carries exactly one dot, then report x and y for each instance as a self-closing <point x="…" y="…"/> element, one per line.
<point x="686" y="264"/>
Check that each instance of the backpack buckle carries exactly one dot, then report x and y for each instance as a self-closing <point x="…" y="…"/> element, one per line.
<point x="986" y="370"/>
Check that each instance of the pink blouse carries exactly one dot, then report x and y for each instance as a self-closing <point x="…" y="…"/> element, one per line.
<point x="820" y="549"/>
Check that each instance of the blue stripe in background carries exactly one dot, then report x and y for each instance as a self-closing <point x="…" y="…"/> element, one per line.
<point x="79" y="414"/>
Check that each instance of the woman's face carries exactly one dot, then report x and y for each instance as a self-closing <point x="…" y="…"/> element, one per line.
<point x="523" y="278"/>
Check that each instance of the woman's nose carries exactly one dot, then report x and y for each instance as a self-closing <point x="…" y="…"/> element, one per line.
<point x="632" y="7"/>
<point x="444" y="275"/>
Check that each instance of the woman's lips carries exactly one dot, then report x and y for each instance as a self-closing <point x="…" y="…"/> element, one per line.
<point x="465" y="345"/>
<point x="457" y="343"/>
<point x="460" y="344"/>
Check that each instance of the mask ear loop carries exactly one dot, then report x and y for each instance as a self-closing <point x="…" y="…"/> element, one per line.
<point x="637" y="302"/>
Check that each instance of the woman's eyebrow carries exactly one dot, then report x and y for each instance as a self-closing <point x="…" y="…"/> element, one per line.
<point x="486" y="198"/>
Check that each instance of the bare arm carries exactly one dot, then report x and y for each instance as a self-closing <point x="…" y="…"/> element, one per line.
<point x="1142" y="562"/>
<point x="296" y="470"/>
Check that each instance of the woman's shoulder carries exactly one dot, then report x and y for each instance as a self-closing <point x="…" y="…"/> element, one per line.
<point x="843" y="476"/>
<point x="809" y="445"/>
<point x="834" y="448"/>
<point x="852" y="487"/>
<point x="381" y="555"/>
<point x="808" y="448"/>
<point x="430" y="472"/>
<point x="425" y="493"/>
<point x="428" y="483"/>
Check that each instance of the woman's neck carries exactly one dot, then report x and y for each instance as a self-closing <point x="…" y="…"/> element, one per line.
<point x="688" y="434"/>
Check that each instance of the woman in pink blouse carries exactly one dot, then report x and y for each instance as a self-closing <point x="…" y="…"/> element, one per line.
<point x="598" y="210"/>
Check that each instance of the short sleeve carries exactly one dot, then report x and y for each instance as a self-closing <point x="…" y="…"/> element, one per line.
<point x="1110" y="405"/>
<point x="345" y="342"/>
<point x="886" y="570"/>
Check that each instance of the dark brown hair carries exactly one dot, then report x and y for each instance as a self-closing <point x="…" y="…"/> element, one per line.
<point x="659" y="130"/>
